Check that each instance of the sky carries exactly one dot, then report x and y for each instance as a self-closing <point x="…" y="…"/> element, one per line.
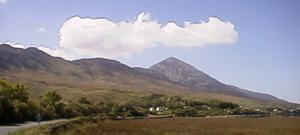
<point x="250" y="44"/>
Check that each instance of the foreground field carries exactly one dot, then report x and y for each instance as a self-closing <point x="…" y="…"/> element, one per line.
<point x="178" y="126"/>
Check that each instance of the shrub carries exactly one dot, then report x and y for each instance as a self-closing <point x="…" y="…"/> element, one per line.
<point x="52" y="105"/>
<point x="15" y="105"/>
<point x="227" y="105"/>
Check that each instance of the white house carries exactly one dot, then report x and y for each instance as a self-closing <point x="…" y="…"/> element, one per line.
<point x="158" y="109"/>
<point x="151" y="109"/>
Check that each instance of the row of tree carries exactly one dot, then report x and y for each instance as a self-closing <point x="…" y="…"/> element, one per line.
<point x="17" y="106"/>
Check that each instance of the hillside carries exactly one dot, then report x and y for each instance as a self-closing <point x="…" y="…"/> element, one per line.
<point x="187" y="75"/>
<point x="104" y="79"/>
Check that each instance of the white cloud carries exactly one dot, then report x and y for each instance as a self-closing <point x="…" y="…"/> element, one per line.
<point x="41" y="30"/>
<point x="15" y="44"/>
<point x="3" y="1"/>
<point x="100" y="37"/>
<point x="91" y="37"/>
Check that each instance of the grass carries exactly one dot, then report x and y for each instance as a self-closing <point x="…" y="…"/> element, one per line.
<point x="177" y="126"/>
<point x="115" y="89"/>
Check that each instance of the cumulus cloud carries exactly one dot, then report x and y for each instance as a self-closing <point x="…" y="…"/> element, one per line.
<point x="92" y="37"/>
<point x="100" y="37"/>
<point x="15" y="44"/>
<point x="3" y="1"/>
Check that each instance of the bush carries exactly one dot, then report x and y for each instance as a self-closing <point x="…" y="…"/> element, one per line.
<point x="15" y="105"/>
<point x="83" y="100"/>
<point x="52" y="105"/>
<point x="186" y="111"/>
<point x="227" y="105"/>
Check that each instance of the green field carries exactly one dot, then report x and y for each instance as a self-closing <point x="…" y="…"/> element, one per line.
<point x="177" y="126"/>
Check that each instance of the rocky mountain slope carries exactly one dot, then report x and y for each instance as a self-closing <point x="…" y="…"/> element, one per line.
<point x="187" y="75"/>
<point x="92" y="76"/>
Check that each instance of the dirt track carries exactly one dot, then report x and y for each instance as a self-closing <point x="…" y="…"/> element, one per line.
<point x="5" y="129"/>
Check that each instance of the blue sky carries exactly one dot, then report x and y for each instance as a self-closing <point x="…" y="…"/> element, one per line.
<point x="265" y="58"/>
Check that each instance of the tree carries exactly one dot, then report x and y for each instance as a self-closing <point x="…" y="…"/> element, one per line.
<point x="116" y="110"/>
<point x="51" y="98"/>
<point x="228" y="105"/>
<point x="14" y="103"/>
<point x="186" y="111"/>
<point x="52" y="105"/>
<point x="83" y="100"/>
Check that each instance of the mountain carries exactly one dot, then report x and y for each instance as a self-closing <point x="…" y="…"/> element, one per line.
<point x="105" y="79"/>
<point x="189" y="76"/>
<point x="95" y="77"/>
<point x="185" y="74"/>
<point x="32" y="59"/>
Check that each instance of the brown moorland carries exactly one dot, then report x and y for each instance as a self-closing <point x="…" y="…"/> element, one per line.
<point x="177" y="126"/>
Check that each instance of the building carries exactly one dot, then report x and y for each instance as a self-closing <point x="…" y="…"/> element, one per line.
<point x="151" y="109"/>
<point x="157" y="109"/>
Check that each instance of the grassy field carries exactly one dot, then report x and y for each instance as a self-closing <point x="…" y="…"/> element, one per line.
<point x="177" y="126"/>
<point x="112" y="90"/>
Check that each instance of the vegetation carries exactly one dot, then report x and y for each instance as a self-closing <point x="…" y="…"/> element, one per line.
<point x="17" y="106"/>
<point x="52" y="106"/>
<point x="174" y="126"/>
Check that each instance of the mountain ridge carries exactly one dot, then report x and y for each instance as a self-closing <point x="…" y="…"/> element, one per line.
<point x="178" y="71"/>
<point x="169" y="76"/>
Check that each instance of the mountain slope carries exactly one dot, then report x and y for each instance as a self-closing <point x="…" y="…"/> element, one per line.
<point x="32" y="59"/>
<point x="107" y="79"/>
<point x="187" y="75"/>
<point x="38" y="69"/>
<point x="183" y="73"/>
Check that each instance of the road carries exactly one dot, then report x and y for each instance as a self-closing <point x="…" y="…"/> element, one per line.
<point x="5" y="129"/>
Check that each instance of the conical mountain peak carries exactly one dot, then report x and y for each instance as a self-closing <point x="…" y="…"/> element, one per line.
<point x="173" y="63"/>
<point x="172" y="59"/>
<point x="183" y="73"/>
